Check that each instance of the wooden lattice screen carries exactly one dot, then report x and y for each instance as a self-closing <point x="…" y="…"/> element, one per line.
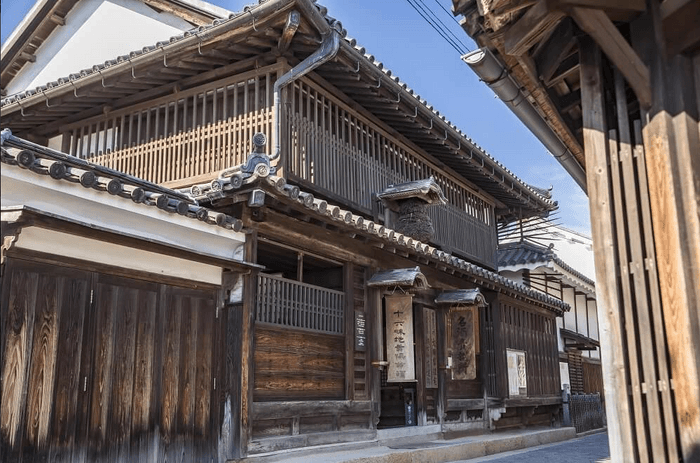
<point x="191" y="133"/>
<point x="300" y="305"/>
<point x="351" y="158"/>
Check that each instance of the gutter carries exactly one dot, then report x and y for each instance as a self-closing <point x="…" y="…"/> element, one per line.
<point x="327" y="51"/>
<point x="492" y="72"/>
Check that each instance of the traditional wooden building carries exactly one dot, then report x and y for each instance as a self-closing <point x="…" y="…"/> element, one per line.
<point x="611" y="89"/>
<point x="541" y="268"/>
<point x="378" y="307"/>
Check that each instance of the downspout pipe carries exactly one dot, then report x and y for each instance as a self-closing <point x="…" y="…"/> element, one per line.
<point x="492" y="72"/>
<point x="327" y="51"/>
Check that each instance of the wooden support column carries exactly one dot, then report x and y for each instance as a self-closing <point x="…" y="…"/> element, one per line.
<point x="348" y="285"/>
<point x="238" y="322"/>
<point x="671" y="147"/>
<point x="376" y="347"/>
<point x="602" y="228"/>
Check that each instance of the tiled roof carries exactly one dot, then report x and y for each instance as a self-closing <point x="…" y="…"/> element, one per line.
<point x="44" y="161"/>
<point x="278" y="186"/>
<point x="523" y="253"/>
<point x="491" y="167"/>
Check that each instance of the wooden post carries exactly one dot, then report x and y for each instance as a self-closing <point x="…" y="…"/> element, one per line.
<point x="671" y="147"/>
<point x="611" y="331"/>
<point x="376" y="347"/>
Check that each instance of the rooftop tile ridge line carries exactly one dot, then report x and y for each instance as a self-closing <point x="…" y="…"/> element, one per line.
<point x="149" y="194"/>
<point x="126" y="58"/>
<point x="10" y="140"/>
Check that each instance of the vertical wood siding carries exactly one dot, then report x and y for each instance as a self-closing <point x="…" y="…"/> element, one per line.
<point x="535" y="333"/>
<point x="101" y="368"/>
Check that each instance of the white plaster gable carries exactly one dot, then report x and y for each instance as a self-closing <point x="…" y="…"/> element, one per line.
<point x="96" y="31"/>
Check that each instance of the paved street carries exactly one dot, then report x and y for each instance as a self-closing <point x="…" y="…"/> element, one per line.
<point x="589" y="449"/>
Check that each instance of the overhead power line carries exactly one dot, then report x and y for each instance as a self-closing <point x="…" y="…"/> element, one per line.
<point x="438" y="25"/>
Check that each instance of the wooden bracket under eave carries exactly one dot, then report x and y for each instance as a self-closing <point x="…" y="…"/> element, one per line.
<point x="601" y="29"/>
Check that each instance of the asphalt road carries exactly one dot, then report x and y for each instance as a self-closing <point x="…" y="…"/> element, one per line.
<point x="589" y="449"/>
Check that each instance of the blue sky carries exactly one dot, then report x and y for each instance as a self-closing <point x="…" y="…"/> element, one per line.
<point x="404" y="42"/>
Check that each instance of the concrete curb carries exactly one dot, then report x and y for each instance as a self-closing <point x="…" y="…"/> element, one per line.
<point x="433" y="451"/>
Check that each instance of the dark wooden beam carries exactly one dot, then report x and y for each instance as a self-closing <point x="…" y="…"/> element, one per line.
<point x="624" y="5"/>
<point x="530" y="28"/>
<point x="556" y="49"/>
<point x="680" y="19"/>
<point x="597" y="24"/>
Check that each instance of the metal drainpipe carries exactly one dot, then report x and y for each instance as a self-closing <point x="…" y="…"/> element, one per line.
<point x="492" y="72"/>
<point x="327" y="51"/>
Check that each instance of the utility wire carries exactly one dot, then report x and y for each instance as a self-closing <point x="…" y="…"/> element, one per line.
<point x="445" y="28"/>
<point x="440" y="27"/>
<point x="437" y="29"/>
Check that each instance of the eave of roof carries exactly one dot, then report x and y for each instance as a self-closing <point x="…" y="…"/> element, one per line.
<point x="21" y="153"/>
<point x="455" y="149"/>
<point x="518" y="254"/>
<point x="324" y="211"/>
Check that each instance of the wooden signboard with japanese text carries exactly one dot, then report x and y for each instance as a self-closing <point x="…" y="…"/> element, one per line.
<point x="431" y="356"/>
<point x="360" y="331"/>
<point x="399" y="338"/>
<point x="462" y="326"/>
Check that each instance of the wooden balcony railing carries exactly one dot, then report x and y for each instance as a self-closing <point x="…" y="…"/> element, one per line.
<point x="350" y="159"/>
<point x="193" y="133"/>
<point x="300" y="305"/>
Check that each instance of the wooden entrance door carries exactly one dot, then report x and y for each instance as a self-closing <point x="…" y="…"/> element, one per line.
<point x="102" y="368"/>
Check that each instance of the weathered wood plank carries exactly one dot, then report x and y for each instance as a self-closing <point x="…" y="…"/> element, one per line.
<point x="20" y="312"/>
<point x="611" y="332"/>
<point x="39" y="399"/>
<point x="68" y="358"/>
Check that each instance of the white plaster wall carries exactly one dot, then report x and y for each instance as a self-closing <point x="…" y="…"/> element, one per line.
<point x="570" y="316"/>
<point x="96" y="31"/>
<point x="87" y="249"/>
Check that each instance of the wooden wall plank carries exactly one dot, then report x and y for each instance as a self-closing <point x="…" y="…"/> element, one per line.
<point x="42" y="365"/>
<point x="120" y="405"/>
<point x="18" y="340"/>
<point x="75" y="304"/>
<point x="300" y="365"/>
<point x="143" y="414"/>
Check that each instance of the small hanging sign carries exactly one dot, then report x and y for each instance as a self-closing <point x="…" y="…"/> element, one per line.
<point x="463" y="345"/>
<point x="399" y="338"/>
<point x="360" y="331"/>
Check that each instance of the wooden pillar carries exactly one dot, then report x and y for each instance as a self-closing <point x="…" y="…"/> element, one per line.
<point x="671" y="146"/>
<point x="348" y="285"/>
<point x="419" y="339"/>
<point x="238" y="322"/>
<point x="602" y="228"/>
<point x="376" y="346"/>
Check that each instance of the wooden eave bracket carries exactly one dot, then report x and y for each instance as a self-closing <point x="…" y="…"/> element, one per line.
<point x="598" y="25"/>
